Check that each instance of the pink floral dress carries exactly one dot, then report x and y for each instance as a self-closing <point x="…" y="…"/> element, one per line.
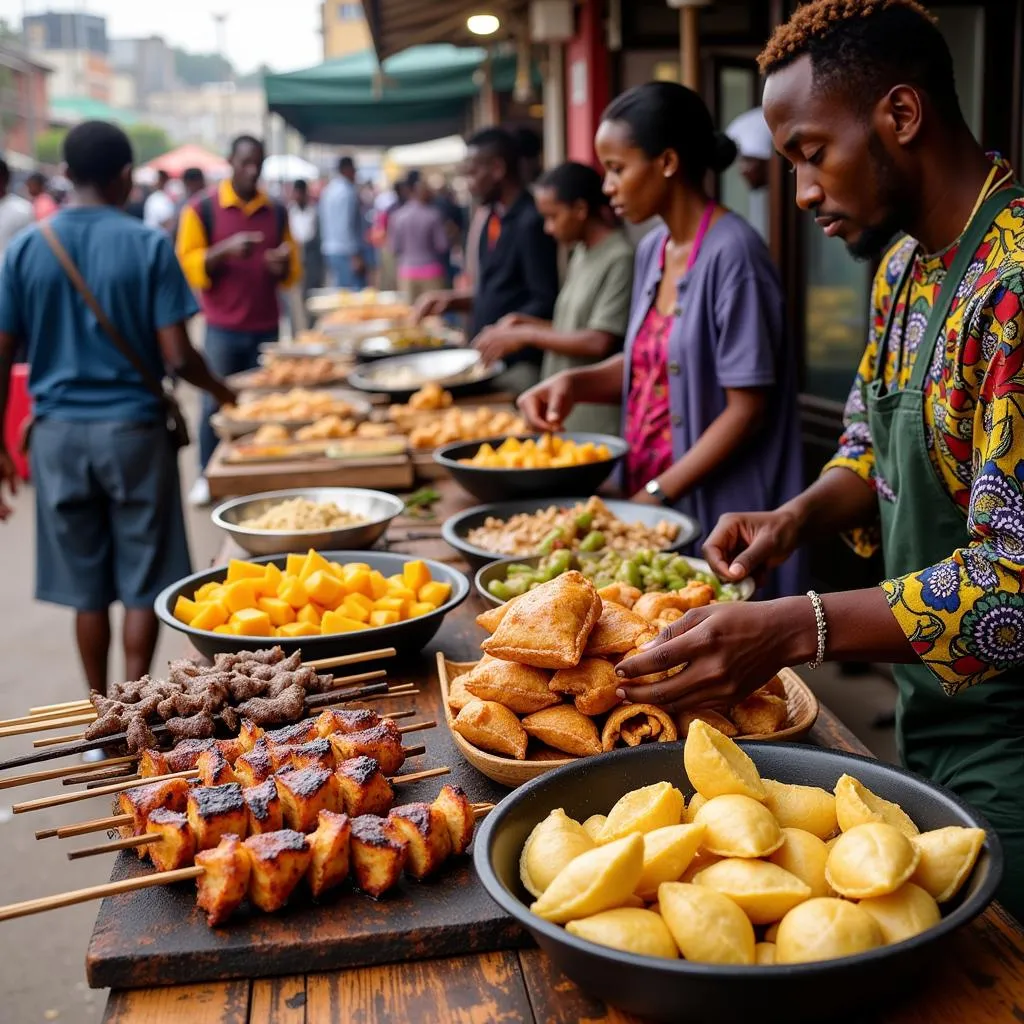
<point x="648" y="420"/>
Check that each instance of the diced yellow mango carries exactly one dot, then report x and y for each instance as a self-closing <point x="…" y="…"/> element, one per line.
<point x="378" y="584"/>
<point x="389" y="604"/>
<point x="204" y="592"/>
<point x="294" y="629"/>
<point x="239" y="570"/>
<point x="383" y="618"/>
<point x="403" y="593"/>
<point x="353" y="609"/>
<point x="267" y="587"/>
<point x="358" y="582"/>
<point x="361" y="600"/>
<point x="225" y="629"/>
<point x="252" y="622"/>
<point x="419" y="608"/>
<point x="354" y="567"/>
<point x="398" y="580"/>
<point x="293" y="590"/>
<point x="310" y="616"/>
<point x="314" y="562"/>
<point x="293" y="566"/>
<point x="339" y="622"/>
<point x="325" y="588"/>
<point x="210" y="615"/>
<point x="280" y="612"/>
<point x="416" y="574"/>
<point x="241" y="594"/>
<point x="185" y="610"/>
<point x="338" y="569"/>
<point x="435" y="593"/>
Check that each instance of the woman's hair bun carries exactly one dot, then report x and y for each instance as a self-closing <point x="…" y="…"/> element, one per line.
<point x="723" y="153"/>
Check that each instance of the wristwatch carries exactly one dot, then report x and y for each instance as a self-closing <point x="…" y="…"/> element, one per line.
<point x="653" y="488"/>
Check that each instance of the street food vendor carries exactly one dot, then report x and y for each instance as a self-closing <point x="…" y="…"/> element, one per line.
<point x="861" y="101"/>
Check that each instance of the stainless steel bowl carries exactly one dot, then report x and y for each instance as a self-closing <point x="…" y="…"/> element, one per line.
<point x="377" y="507"/>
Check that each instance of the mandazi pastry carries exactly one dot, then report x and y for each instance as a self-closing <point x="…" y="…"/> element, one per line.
<point x="717" y="721"/>
<point x="548" y="627"/>
<point x="620" y="593"/>
<point x="565" y="729"/>
<point x="760" y="714"/>
<point x="492" y="727"/>
<point x="520" y="688"/>
<point x="633" y="724"/>
<point x="592" y="683"/>
<point x="616" y="631"/>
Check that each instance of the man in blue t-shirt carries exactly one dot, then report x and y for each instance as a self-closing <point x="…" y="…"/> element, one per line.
<point x="109" y="523"/>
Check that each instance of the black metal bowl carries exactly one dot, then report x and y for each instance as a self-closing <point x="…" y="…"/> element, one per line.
<point x="506" y="484"/>
<point x="456" y="528"/>
<point x="694" y="993"/>
<point x="407" y="637"/>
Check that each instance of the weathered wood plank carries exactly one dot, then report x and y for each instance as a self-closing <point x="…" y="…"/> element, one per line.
<point x="221" y="1003"/>
<point x="485" y="989"/>
<point x="279" y="1000"/>
<point x="557" y="1000"/>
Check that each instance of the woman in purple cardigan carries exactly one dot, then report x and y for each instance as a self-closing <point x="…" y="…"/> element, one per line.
<point x="708" y="377"/>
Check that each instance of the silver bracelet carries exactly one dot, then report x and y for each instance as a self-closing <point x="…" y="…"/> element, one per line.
<point x="819" y="621"/>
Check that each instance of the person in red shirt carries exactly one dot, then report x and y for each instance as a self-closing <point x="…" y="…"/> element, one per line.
<point x="43" y="204"/>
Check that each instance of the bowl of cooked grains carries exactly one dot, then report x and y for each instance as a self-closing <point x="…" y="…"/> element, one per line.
<point x="276" y="522"/>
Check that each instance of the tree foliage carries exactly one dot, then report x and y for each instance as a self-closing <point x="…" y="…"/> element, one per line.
<point x="49" y="145"/>
<point x="200" y="68"/>
<point x="148" y="141"/>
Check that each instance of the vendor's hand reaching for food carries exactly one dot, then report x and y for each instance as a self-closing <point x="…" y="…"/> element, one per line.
<point x="8" y="477"/>
<point x="499" y="341"/>
<point x="723" y="652"/>
<point x="750" y="543"/>
<point x="547" y="404"/>
<point x="430" y="304"/>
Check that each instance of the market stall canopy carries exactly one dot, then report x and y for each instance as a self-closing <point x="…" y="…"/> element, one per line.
<point x="396" y="25"/>
<point x="289" y="167"/>
<point x="70" y="110"/>
<point x="421" y="94"/>
<point x="439" y="153"/>
<point x="179" y="160"/>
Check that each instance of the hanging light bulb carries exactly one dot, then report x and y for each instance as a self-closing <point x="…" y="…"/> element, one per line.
<point x="483" y="24"/>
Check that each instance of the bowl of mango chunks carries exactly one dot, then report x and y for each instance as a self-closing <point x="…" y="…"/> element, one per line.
<point x="326" y="603"/>
<point x="724" y="882"/>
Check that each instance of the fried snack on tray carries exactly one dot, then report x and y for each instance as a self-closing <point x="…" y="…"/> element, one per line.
<point x="717" y="721"/>
<point x="520" y="688"/>
<point x="424" y="829"/>
<point x="491" y="726"/>
<point x="633" y="724"/>
<point x="592" y="683"/>
<point x="297" y="373"/>
<point x="216" y="811"/>
<point x="377" y="855"/>
<point x="564" y="728"/>
<point x="329" y="864"/>
<point x="616" y="631"/>
<point x="290" y="406"/>
<point x="621" y="593"/>
<point x="454" y="805"/>
<point x="549" y="626"/>
<point x="177" y="845"/>
<point x="278" y="861"/>
<point x="224" y="883"/>
<point x="456" y="424"/>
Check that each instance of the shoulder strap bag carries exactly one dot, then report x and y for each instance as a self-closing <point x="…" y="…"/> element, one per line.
<point x="176" y="425"/>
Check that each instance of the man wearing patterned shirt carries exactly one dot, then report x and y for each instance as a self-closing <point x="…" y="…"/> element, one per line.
<point x="860" y="99"/>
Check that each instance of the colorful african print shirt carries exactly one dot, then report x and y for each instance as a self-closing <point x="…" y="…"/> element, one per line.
<point x="965" y="615"/>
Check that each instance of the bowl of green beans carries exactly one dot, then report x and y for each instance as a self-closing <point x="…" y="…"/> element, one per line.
<point x="649" y="571"/>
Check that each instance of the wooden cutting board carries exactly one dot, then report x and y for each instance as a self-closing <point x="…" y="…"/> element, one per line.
<point x="388" y="473"/>
<point x="157" y="936"/>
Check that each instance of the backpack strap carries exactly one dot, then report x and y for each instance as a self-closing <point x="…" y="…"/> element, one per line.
<point x="205" y="210"/>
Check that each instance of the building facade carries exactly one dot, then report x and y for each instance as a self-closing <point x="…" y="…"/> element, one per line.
<point x="343" y="27"/>
<point x="75" y="45"/>
<point x="24" y="101"/>
<point x="148" y="62"/>
<point x="211" y="115"/>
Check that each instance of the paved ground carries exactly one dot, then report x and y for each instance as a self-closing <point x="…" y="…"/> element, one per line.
<point x="42" y="957"/>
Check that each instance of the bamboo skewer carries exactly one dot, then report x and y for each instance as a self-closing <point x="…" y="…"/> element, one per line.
<point x="135" y="777"/>
<point x="119" y="787"/>
<point x="115" y="774"/>
<point x="98" y="892"/>
<point x="315" y="702"/>
<point x="131" y="842"/>
<point x="63" y="707"/>
<point x="57" y="773"/>
<point x="83" y="828"/>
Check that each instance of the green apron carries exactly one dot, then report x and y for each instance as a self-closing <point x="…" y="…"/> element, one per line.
<point x="972" y="743"/>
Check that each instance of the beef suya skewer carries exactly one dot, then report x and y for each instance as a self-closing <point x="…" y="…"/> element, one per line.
<point x="254" y="753"/>
<point x="418" y="838"/>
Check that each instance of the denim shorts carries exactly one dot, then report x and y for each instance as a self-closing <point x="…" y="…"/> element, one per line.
<point x="109" y="521"/>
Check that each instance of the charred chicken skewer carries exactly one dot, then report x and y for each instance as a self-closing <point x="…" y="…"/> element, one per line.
<point x="267" y="868"/>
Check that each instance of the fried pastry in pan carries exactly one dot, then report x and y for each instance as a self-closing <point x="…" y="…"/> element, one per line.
<point x="565" y="729"/>
<point x="717" y="721"/>
<point x="616" y="631"/>
<point x="592" y="683"/>
<point x="633" y="724"/>
<point x="491" y="726"/>
<point x="548" y="627"/>
<point x="520" y="688"/>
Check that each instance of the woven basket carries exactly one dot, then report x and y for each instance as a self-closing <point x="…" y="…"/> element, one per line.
<point x="802" y="712"/>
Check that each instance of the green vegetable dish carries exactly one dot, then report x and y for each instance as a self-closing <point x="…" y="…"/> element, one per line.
<point x="647" y="570"/>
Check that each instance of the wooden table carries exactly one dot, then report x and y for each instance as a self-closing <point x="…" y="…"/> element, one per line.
<point x="978" y="975"/>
